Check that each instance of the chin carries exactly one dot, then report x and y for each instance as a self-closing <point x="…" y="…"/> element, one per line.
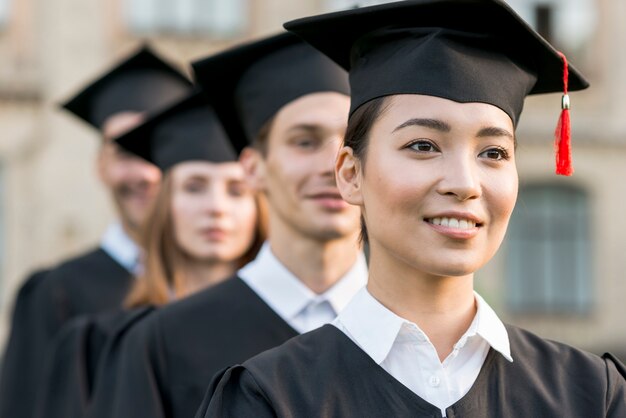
<point x="457" y="268"/>
<point x="328" y="233"/>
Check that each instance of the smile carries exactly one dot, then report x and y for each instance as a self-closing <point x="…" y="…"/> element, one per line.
<point x="455" y="223"/>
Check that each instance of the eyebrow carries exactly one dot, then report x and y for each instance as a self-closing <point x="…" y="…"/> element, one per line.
<point x="304" y="127"/>
<point x="441" y="126"/>
<point x="435" y="124"/>
<point x="494" y="131"/>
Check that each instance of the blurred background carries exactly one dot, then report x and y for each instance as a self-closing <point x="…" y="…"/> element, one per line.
<point x="562" y="270"/>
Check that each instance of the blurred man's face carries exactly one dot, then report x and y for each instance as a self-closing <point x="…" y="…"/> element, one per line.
<point x="133" y="182"/>
<point x="297" y="172"/>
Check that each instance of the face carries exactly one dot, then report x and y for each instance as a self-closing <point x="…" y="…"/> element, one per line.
<point x="213" y="210"/>
<point x="132" y="181"/>
<point x="297" y="171"/>
<point x="438" y="184"/>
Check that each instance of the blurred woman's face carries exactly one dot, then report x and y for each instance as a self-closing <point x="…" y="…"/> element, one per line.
<point x="213" y="210"/>
<point x="437" y="185"/>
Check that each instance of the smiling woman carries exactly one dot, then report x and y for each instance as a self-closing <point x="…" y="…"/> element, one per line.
<point x="437" y="89"/>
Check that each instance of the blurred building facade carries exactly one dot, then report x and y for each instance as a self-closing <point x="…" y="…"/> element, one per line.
<point x="561" y="271"/>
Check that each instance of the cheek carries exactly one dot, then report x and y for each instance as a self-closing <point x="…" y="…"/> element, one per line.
<point x="294" y="166"/>
<point x="245" y="214"/>
<point x="502" y="196"/>
<point x="183" y="213"/>
<point x="114" y="173"/>
<point x="389" y="185"/>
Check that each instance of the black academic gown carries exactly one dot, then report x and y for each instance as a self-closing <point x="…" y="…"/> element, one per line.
<point x="88" y="284"/>
<point x="168" y="359"/>
<point x="70" y="372"/>
<point x="323" y="374"/>
<point x="22" y="344"/>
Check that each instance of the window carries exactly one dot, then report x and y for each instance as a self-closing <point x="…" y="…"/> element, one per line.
<point x="221" y="18"/>
<point x="569" y="24"/>
<point x="548" y="252"/>
<point x="5" y="6"/>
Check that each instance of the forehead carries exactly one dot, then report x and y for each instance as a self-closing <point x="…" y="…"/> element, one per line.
<point x="324" y="110"/>
<point x="119" y="123"/>
<point x="401" y="108"/>
<point x="206" y="169"/>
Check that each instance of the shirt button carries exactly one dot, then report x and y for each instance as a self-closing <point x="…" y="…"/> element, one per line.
<point x="434" y="381"/>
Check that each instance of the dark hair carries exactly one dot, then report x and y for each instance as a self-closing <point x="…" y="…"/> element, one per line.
<point x="357" y="137"/>
<point x="260" y="141"/>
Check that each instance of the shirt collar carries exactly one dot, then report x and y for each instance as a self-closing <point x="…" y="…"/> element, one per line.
<point x="287" y="295"/>
<point x="372" y="326"/>
<point x="375" y="328"/>
<point x="491" y="328"/>
<point x="120" y="247"/>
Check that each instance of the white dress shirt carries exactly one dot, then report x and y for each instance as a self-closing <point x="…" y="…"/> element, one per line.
<point x="121" y="248"/>
<point x="299" y="306"/>
<point x="406" y="353"/>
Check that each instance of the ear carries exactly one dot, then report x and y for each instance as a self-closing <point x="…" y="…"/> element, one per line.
<point x="348" y="175"/>
<point x="254" y="166"/>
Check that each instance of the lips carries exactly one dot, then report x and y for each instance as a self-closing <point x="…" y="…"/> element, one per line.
<point x="214" y="234"/>
<point x="330" y="200"/>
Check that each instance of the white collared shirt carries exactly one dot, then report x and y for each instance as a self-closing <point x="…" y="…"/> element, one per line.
<point x="406" y="353"/>
<point x="299" y="306"/>
<point x="121" y="248"/>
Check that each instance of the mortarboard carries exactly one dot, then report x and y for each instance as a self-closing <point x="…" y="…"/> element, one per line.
<point x="141" y="83"/>
<point x="189" y="130"/>
<point x="461" y="50"/>
<point x="252" y="82"/>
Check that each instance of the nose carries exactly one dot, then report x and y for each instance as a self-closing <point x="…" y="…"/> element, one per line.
<point x="460" y="178"/>
<point x="215" y="201"/>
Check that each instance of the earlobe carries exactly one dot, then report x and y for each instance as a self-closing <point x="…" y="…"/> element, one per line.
<point x="254" y="167"/>
<point x="348" y="175"/>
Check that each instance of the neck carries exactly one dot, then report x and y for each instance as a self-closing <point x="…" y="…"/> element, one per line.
<point x="442" y="307"/>
<point x="202" y="274"/>
<point x="131" y="231"/>
<point x="318" y="264"/>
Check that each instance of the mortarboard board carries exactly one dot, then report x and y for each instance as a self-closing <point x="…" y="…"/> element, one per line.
<point x="252" y="82"/>
<point x="189" y="130"/>
<point x="461" y="50"/>
<point x="141" y="83"/>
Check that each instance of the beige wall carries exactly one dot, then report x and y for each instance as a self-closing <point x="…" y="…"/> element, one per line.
<point x="54" y="205"/>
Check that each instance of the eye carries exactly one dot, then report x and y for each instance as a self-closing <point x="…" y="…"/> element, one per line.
<point x="305" y="142"/>
<point x="237" y="189"/>
<point x="194" y="187"/>
<point x="122" y="154"/>
<point x="423" y="146"/>
<point x="495" y="154"/>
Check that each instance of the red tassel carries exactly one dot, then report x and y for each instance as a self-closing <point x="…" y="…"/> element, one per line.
<point x="562" y="135"/>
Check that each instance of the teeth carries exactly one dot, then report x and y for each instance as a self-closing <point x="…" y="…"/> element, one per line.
<point x="453" y="223"/>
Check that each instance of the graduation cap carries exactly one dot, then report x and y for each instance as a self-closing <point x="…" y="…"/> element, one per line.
<point x="252" y="82"/>
<point x="186" y="131"/>
<point x="141" y="83"/>
<point x="461" y="50"/>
